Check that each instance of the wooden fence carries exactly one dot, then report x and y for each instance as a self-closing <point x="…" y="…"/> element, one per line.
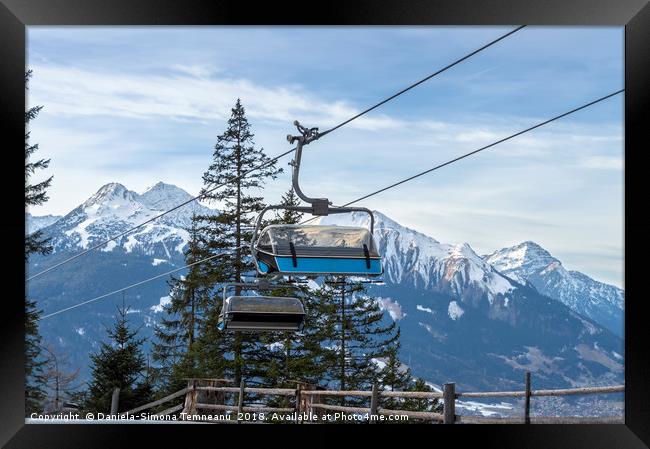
<point x="209" y="395"/>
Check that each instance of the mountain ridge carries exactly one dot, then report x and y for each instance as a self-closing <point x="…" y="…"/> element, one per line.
<point x="528" y="262"/>
<point x="113" y="209"/>
<point x="459" y="315"/>
<point x="34" y="223"/>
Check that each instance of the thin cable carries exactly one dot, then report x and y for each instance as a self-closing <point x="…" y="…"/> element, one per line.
<point x="406" y="89"/>
<point x="410" y="178"/>
<point x="105" y="295"/>
<point x="121" y="234"/>
<point x="417" y="83"/>
<point x="545" y="122"/>
<point x="485" y="147"/>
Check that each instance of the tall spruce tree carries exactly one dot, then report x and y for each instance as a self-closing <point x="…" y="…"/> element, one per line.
<point x="122" y="364"/>
<point x="174" y="348"/>
<point x="35" y="243"/>
<point x="294" y="356"/>
<point x="298" y="356"/>
<point x="286" y="347"/>
<point x="394" y="376"/>
<point x="289" y="199"/>
<point x="355" y="332"/>
<point x="34" y="362"/>
<point x="234" y="155"/>
<point x="35" y="194"/>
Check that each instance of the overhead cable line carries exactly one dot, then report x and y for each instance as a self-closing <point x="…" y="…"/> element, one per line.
<point x="417" y="83"/>
<point x="512" y="136"/>
<point x="178" y="206"/>
<point x="105" y="295"/>
<point x="365" y="111"/>
<point x="410" y="178"/>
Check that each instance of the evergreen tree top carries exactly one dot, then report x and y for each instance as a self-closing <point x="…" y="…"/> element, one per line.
<point x="234" y="156"/>
<point x="119" y="363"/>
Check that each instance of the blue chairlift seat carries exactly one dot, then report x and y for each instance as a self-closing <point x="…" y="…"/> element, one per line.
<point x="317" y="250"/>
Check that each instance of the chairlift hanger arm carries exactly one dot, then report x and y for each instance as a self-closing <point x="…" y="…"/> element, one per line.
<point x="306" y="136"/>
<point x="319" y="206"/>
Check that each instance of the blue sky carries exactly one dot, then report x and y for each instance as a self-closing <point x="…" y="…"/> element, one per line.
<point x="139" y="105"/>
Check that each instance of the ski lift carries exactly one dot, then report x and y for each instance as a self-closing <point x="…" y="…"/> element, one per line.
<point x="260" y="313"/>
<point x="295" y="249"/>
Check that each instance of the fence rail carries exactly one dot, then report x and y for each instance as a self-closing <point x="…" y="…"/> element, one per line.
<point x="562" y="392"/>
<point x="209" y="394"/>
<point x="155" y="403"/>
<point x="268" y="391"/>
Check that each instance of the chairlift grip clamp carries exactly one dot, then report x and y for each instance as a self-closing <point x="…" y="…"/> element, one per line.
<point x="307" y="134"/>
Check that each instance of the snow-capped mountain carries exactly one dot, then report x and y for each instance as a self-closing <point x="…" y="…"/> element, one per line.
<point x="461" y="318"/>
<point x="114" y="209"/>
<point x="34" y="223"/>
<point x="410" y="257"/>
<point x="530" y="263"/>
<point x="146" y="252"/>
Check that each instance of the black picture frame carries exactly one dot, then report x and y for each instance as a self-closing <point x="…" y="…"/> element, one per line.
<point x="15" y="15"/>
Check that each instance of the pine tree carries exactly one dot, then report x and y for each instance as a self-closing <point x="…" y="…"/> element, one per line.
<point x="288" y="350"/>
<point x="35" y="194"/>
<point x="421" y="405"/>
<point x="295" y="356"/>
<point x="61" y="382"/>
<point x="120" y="363"/>
<point x="394" y="376"/>
<point x="289" y="199"/>
<point x="35" y="243"/>
<point x="174" y="348"/>
<point x="356" y="333"/>
<point x="234" y="155"/>
<point x="34" y="362"/>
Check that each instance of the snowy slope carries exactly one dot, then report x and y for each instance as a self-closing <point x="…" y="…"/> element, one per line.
<point x="410" y="257"/>
<point x="147" y="252"/>
<point x="34" y="223"/>
<point x="114" y="209"/>
<point x="530" y="263"/>
<point x="461" y="317"/>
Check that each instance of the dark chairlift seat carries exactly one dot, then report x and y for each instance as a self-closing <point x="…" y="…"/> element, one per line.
<point x="261" y="313"/>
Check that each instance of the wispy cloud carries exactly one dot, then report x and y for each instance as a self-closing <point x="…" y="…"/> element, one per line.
<point x="138" y="106"/>
<point x="602" y="162"/>
<point x="193" y="94"/>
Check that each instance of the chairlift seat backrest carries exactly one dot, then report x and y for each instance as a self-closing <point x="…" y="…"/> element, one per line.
<point x="317" y="249"/>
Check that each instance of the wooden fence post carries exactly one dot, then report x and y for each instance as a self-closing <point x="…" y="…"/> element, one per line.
<point x="374" y="403"/>
<point x="449" y="398"/>
<point x="115" y="400"/>
<point x="189" y="408"/>
<point x="527" y="399"/>
<point x="306" y="400"/>
<point x="298" y="403"/>
<point x="240" y="403"/>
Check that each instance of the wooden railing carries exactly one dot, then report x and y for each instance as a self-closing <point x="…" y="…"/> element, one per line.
<point x="210" y="395"/>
